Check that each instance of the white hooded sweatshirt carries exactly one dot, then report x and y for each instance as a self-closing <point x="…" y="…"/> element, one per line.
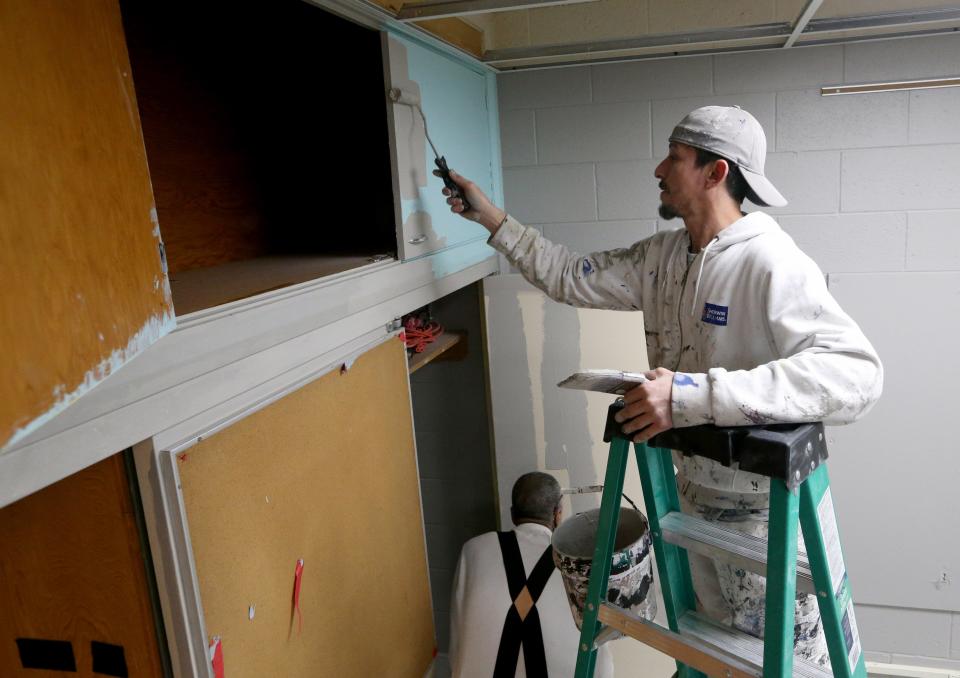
<point x="747" y="324"/>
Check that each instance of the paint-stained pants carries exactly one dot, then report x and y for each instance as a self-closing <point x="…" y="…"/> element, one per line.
<point x="732" y="595"/>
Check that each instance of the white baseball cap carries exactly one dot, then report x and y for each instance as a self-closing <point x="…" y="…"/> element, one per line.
<point x="734" y="134"/>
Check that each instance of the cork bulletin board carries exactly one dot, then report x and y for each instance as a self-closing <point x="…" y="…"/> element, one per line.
<point x="328" y="475"/>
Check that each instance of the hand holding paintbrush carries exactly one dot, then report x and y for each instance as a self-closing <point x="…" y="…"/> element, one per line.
<point x="467" y="200"/>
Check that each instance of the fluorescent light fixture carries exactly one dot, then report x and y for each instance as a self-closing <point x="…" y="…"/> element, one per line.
<point x="832" y="90"/>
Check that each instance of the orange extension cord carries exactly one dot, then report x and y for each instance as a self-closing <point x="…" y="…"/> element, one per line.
<point x="420" y="334"/>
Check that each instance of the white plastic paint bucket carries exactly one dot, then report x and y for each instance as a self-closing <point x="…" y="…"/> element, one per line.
<point x="631" y="572"/>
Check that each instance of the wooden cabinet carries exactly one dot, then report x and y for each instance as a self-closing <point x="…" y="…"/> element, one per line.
<point x="74" y="581"/>
<point x="83" y="281"/>
<point x="268" y="142"/>
<point x="299" y="214"/>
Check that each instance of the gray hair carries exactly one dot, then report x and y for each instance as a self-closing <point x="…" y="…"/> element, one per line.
<point x="535" y="496"/>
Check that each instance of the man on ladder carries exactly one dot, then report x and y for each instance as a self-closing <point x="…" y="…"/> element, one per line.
<point x="739" y="323"/>
<point x="509" y="615"/>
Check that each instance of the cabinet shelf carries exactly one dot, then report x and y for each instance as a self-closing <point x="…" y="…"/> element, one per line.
<point x="199" y="289"/>
<point x="438" y="347"/>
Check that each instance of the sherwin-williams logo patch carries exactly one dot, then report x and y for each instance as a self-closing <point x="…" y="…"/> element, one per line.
<point x="714" y="314"/>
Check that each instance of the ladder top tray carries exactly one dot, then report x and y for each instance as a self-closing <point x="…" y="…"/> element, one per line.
<point x="789" y="452"/>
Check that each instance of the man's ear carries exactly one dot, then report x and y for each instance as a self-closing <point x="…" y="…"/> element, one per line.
<point x="718" y="172"/>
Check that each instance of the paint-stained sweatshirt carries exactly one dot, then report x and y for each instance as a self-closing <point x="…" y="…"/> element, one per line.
<point x="747" y="324"/>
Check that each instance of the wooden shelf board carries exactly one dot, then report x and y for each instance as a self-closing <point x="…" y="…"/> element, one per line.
<point x="208" y="287"/>
<point x="442" y="344"/>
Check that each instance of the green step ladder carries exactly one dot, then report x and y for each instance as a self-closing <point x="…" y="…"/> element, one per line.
<point x="793" y="456"/>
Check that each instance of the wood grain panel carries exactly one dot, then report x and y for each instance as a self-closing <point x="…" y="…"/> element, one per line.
<point x="72" y="569"/>
<point x="83" y="287"/>
<point x="208" y="196"/>
<point x="455" y="31"/>
<point x="327" y="474"/>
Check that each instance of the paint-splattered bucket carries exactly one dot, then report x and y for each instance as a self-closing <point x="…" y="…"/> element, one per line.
<point x="631" y="572"/>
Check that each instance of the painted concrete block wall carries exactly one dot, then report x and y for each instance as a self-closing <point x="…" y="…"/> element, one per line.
<point x="872" y="181"/>
<point x="453" y="451"/>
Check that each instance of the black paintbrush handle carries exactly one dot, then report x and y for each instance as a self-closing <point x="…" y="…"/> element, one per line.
<point x="450" y="183"/>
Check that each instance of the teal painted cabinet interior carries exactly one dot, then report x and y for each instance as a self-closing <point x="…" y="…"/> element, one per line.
<point x="454" y="98"/>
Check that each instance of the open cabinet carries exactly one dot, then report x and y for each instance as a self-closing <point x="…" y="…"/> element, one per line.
<point x="265" y="127"/>
<point x="260" y="207"/>
<point x="263" y="203"/>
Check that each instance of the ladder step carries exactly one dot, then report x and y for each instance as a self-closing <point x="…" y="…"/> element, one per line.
<point x="731" y="546"/>
<point x="744" y="647"/>
<point x="704" y="656"/>
<point x="704" y="645"/>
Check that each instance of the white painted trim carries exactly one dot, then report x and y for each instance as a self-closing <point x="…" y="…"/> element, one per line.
<point x="879" y="669"/>
<point x="214" y="356"/>
<point x="175" y="580"/>
<point x="802" y="21"/>
<point x="178" y="438"/>
<point x="165" y="515"/>
<point x="438" y="9"/>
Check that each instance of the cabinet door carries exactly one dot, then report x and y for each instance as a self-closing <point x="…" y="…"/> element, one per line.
<point x="311" y="479"/>
<point x="453" y="97"/>
<point x="73" y="587"/>
<point x="83" y="285"/>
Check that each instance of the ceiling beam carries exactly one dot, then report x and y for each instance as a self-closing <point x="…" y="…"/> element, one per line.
<point x="816" y="32"/>
<point x="435" y="9"/>
<point x="802" y="21"/>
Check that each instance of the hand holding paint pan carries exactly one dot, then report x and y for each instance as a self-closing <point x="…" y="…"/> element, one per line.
<point x="604" y="381"/>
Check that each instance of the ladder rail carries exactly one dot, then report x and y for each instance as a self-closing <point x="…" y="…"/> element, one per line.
<point x="834" y="598"/>
<point x="799" y="500"/>
<point x="660" y="498"/>
<point x="602" y="555"/>
<point x="781" y="593"/>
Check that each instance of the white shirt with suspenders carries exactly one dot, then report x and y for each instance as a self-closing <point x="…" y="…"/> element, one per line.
<point x="507" y="622"/>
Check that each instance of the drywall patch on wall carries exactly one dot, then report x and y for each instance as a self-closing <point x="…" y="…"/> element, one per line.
<point x="567" y="433"/>
<point x="608" y="337"/>
<point x="511" y="404"/>
<point x="63" y="395"/>
<point x="532" y="312"/>
<point x="550" y="341"/>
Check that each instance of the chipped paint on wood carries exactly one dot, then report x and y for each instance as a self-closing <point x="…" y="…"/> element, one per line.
<point x="152" y="330"/>
<point x="81" y="264"/>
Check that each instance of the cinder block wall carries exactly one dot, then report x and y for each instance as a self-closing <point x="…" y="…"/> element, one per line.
<point x="453" y="451"/>
<point x="873" y="183"/>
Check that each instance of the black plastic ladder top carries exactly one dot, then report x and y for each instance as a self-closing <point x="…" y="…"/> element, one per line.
<point x="786" y="451"/>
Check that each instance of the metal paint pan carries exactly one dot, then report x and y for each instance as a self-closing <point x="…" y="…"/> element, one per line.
<point x="631" y="572"/>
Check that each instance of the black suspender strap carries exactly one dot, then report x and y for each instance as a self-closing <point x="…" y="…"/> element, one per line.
<point x="522" y="625"/>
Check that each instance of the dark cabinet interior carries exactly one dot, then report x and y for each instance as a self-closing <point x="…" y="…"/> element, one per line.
<point x="265" y="126"/>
